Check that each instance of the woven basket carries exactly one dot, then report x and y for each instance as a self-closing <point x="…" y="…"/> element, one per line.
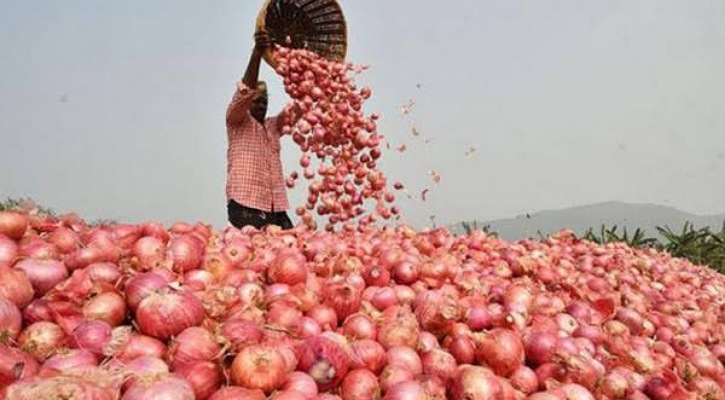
<point x="316" y="25"/>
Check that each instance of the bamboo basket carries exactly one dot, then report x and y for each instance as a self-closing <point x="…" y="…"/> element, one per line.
<point x="316" y="25"/>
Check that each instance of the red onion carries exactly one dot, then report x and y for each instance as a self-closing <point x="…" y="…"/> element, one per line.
<point x="10" y="320"/>
<point x="360" y="384"/>
<point x="104" y="272"/>
<point x="65" y="239"/>
<point x="92" y="336"/>
<point x="205" y="378"/>
<point x="141" y="346"/>
<point x="109" y="307"/>
<point x="383" y="298"/>
<point x="68" y="387"/>
<point x="13" y="224"/>
<point x="142" y="285"/>
<point x="15" y="364"/>
<point x="8" y="251"/>
<point x="186" y="252"/>
<point x="406" y="390"/>
<point x="301" y="383"/>
<point x="70" y="360"/>
<point x="324" y="360"/>
<point x="501" y="349"/>
<point x="324" y="315"/>
<point x="241" y="333"/>
<point x="540" y="347"/>
<point x="392" y="375"/>
<point x="259" y="367"/>
<point x="288" y="267"/>
<point x="41" y="339"/>
<point x="524" y="379"/>
<point x="343" y="297"/>
<point x="367" y="354"/>
<point x="43" y="274"/>
<point x="406" y="358"/>
<point x="144" y="368"/>
<point x="149" y="251"/>
<point x="237" y="393"/>
<point x="475" y="383"/>
<point x="166" y="313"/>
<point x="439" y="364"/>
<point x="163" y="388"/>
<point x="359" y="326"/>
<point x="191" y="346"/>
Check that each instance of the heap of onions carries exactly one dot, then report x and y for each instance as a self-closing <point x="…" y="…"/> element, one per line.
<point x="144" y="311"/>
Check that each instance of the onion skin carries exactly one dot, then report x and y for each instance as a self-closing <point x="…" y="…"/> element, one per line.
<point x="41" y="339"/>
<point x="13" y="224"/>
<point x="10" y="320"/>
<point x="237" y="393"/>
<point x="15" y="364"/>
<point x="168" y="313"/>
<point x="259" y="367"/>
<point x="324" y="360"/>
<point x="475" y="383"/>
<point x="360" y="384"/>
<point x="204" y="377"/>
<point x="167" y="387"/>
<point x="43" y="274"/>
<point x="191" y="346"/>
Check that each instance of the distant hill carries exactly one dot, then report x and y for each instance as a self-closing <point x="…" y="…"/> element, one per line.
<point x="579" y="219"/>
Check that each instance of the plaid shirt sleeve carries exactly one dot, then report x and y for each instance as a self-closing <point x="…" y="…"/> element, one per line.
<point x="238" y="107"/>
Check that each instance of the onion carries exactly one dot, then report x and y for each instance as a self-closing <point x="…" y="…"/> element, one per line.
<point x="406" y="390"/>
<point x="237" y="393"/>
<point x="144" y="368"/>
<point x="359" y="326"/>
<point x="475" y="383"/>
<point x="343" y="297"/>
<point x="15" y="364"/>
<point x="142" y="285"/>
<point x="108" y="307"/>
<point x="13" y="224"/>
<point x="41" y="339"/>
<point x="524" y="379"/>
<point x="104" y="272"/>
<point x="502" y="350"/>
<point x="186" y="252"/>
<point x="383" y="298"/>
<point x="69" y="360"/>
<point x="360" y="384"/>
<point x="92" y="336"/>
<point x="65" y="387"/>
<point x="439" y="364"/>
<point x="392" y="375"/>
<point x="191" y="346"/>
<point x="10" y="320"/>
<point x="259" y="367"/>
<point x="141" y="346"/>
<point x="43" y="274"/>
<point x="368" y="354"/>
<point x="406" y="358"/>
<point x="241" y="333"/>
<point x="15" y="287"/>
<point x="301" y="383"/>
<point x="65" y="239"/>
<point x="166" y="313"/>
<point x="149" y="251"/>
<point x="167" y="387"/>
<point x="539" y="347"/>
<point x="205" y="378"/>
<point x="8" y="251"/>
<point x="324" y="360"/>
<point x="288" y="268"/>
<point x="324" y="315"/>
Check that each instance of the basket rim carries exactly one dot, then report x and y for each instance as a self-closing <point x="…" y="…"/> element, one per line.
<point x="261" y="28"/>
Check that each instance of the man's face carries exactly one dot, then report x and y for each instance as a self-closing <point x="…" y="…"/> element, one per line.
<point x="259" y="106"/>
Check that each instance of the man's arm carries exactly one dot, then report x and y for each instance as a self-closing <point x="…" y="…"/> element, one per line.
<point x="247" y="88"/>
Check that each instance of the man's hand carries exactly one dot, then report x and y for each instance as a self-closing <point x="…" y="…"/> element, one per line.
<point x="262" y="42"/>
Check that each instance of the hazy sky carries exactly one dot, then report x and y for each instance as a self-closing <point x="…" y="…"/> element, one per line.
<point x="115" y="109"/>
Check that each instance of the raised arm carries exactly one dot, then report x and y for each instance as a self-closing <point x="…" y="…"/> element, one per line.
<point x="247" y="88"/>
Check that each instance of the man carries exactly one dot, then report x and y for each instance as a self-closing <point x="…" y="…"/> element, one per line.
<point x="255" y="188"/>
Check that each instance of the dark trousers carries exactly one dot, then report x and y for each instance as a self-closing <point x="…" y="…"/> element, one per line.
<point x="241" y="216"/>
